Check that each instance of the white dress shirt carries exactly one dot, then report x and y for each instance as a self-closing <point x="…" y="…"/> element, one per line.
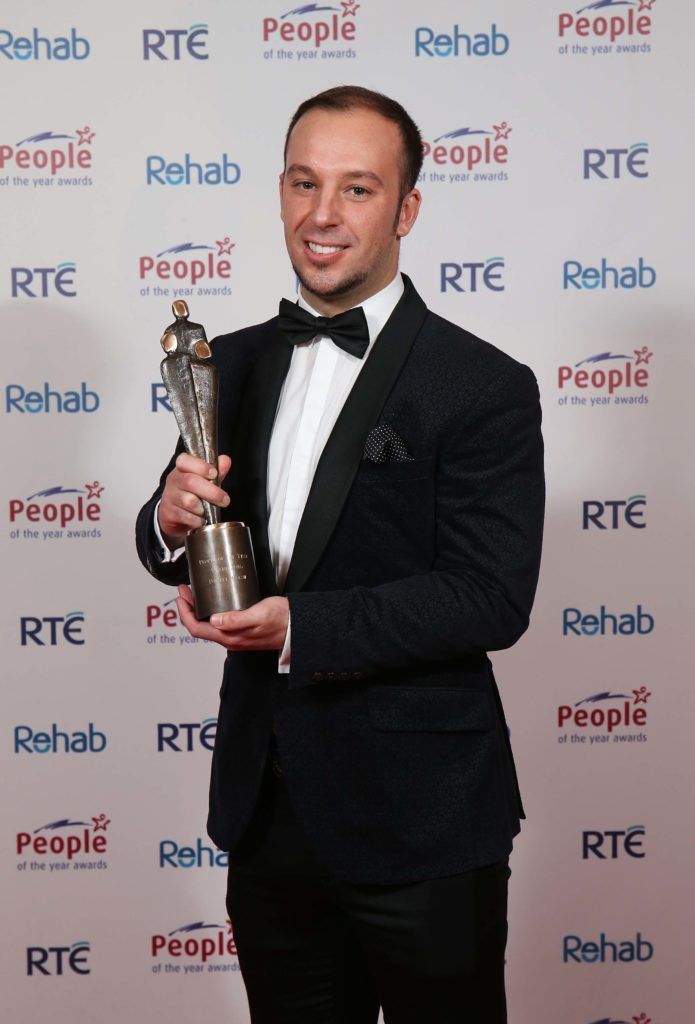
<point x="318" y="381"/>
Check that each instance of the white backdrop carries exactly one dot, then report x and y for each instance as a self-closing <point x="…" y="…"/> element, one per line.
<point x="114" y="897"/>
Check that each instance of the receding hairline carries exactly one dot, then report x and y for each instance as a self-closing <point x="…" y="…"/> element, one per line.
<point x="357" y="106"/>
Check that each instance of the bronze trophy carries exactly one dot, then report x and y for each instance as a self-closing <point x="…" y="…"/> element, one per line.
<point x="221" y="565"/>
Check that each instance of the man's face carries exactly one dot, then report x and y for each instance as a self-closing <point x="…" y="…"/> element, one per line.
<point x="341" y="208"/>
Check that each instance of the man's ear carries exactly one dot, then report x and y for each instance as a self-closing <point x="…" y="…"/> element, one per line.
<point x="410" y="207"/>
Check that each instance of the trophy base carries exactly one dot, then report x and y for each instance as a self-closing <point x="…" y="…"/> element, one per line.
<point x="222" y="568"/>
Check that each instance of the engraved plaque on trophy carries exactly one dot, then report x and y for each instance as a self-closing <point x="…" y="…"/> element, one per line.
<point x="221" y="565"/>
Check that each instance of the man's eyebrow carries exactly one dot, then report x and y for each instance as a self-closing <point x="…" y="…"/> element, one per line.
<point x="303" y="169"/>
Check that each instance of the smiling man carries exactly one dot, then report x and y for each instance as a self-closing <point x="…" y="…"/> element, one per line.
<point x="389" y="465"/>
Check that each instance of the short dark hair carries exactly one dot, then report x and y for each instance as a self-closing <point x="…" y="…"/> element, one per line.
<point x="355" y="97"/>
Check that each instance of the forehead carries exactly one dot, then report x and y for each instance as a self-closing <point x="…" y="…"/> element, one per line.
<point x="336" y="139"/>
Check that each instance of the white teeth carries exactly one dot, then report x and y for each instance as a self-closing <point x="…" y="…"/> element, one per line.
<point x="324" y="248"/>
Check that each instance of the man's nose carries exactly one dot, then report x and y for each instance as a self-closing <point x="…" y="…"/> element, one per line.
<point x="326" y="208"/>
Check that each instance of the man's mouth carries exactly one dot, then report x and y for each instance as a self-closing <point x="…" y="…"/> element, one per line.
<point x="325" y="250"/>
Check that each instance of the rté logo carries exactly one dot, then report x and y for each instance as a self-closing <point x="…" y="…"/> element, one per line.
<point x="609" y="515"/>
<point x="485" y="274"/>
<point x="57" y="960"/>
<point x="57" y="628"/>
<point x="612" y="843"/>
<point x="175" y="43"/>
<point x="40" y="282"/>
<point x="618" y="162"/>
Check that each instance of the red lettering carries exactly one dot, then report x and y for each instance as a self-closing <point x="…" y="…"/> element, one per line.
<point x="565" y="21"/>
<point x="16" y="507"/>
<point x="269" y="26"/>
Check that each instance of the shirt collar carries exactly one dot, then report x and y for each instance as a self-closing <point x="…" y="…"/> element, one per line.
<point x="377" y="308"/>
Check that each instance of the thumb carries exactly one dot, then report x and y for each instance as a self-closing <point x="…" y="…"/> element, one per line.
<point x="223" y="466"/>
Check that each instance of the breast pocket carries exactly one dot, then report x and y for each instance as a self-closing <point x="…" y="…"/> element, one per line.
<point x="386" y="473"/>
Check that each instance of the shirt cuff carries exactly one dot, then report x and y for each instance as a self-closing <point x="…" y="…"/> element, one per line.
<point x="165" y="553"/>
<point x="284" y="659"/>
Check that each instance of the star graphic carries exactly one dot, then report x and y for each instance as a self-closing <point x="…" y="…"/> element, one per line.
<point x="350" y="7"/>
<point x="94" y="490"/>
<point x="643" y="355"/>
<point x="101" y="822"/>
<point x="86" y="135"/>
<point x="225" y="246"/>
<point x="643" y="1018"/>
<point x="645" y="5"/>
<point x="642" y="695"/>
<point x="501" y="131"/>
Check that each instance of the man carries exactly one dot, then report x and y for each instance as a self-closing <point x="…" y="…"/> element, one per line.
<point x="362" y="777"/>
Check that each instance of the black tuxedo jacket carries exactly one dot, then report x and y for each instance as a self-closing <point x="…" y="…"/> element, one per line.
<point x="405" y="572"/>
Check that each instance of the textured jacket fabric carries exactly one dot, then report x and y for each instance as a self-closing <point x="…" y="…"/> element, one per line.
<point x="406" y="571"/>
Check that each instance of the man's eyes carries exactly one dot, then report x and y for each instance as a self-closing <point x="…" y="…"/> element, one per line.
<point x="359" y="191"/>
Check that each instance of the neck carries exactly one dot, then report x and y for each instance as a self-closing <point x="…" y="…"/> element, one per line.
<point x="327" y="305"/>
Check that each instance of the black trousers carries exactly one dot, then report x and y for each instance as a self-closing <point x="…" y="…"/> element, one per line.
<point x="316" y="950"/>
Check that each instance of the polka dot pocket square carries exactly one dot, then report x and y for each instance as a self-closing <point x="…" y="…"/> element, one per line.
<point x="384" y="445"/>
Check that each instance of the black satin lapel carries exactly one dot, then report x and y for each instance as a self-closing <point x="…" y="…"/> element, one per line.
<point x="258" y="414"/>
<point x="343" y="451"/>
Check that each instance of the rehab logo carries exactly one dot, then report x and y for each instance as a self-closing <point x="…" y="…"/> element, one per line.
<point x="48" y="160"/>
<point x="57" y="513"/>
<point x="312" y="32"/>
<point x="604" y="718"/>
<point x="39" y="47"/>
<point x="198" y="853"/>
<point x="606" y="951"/>
<point x="49" y="400"/>
<point x="606" y="27"/>
<point x="467" y="155"/>
<point x="605" y="623"/>
<point x="194" y="948"/>
<point x="430" y="42"/>
<point x="54" y="740"/>
<point x="160" y="170"/>
<point x="607" y="378"/>
<point x="64" y="845"/>
<point x="585" y="277"/>
<point x="190" y="268"/>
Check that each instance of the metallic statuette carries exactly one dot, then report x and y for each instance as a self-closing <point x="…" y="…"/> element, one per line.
<point x="221" y="565"/>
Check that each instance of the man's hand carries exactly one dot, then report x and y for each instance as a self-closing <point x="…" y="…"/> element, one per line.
<point x="181" y="508"/>
<point x="262" y="627"/>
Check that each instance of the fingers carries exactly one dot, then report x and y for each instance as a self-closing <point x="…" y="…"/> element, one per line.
<point x="186" y="487"/>
<point x="192" y="464"/>
<point x="224" y="463"/>
<point x="203" y="630"/>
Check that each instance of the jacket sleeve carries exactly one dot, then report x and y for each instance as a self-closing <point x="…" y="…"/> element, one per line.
<point x="146" y="540"/>
<point x="478" y="595"/>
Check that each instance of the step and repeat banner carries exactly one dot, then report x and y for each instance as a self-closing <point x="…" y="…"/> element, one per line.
<point x="139" y="155"/>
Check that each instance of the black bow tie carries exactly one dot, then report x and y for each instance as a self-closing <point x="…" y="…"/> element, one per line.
<point x="348" y="330"/>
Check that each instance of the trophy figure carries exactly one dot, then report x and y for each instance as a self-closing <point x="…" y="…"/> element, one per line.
<point x="220" y="556"/>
